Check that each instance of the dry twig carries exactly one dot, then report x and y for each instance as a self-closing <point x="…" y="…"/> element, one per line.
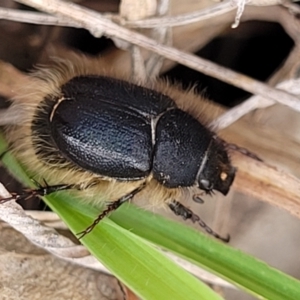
<point x="98" y="25"/>
<point x="158" y="22"/>
<point x="253" y="103"/>
<point x="45" y="237"/>
<point x="261" y="181"/>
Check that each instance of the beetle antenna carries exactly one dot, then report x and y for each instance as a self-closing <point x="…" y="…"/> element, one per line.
<point x="180" y="210"/>
<point x="109" y="208"/>
<point x="242" y="150"/>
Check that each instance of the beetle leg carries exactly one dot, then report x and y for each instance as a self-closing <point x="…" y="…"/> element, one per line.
<point x="198" y="199"/>
<point x="111" y="207"/>
<point x="180" y="210"/>
<point x="40" y="191"/>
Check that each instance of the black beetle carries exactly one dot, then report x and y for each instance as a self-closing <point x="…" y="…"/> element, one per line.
<point x="108" y="136"/>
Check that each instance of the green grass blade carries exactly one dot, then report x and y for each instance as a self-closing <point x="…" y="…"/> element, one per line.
<point x="119" y="240"/>
<point x="231" y="264"/>
<point x="134" y="261"/>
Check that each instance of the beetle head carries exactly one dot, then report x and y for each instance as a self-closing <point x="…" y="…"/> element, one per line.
<point x="216" y="171"/>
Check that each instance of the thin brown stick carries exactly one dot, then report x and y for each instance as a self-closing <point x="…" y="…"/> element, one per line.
<point x="255" y="102"/>
<point x="33" y="18"/>
<point x="165" y="21"/>
<point x="262" y="181"/>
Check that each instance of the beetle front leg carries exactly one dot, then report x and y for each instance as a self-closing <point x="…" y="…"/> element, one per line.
<point x="180" y="210"/>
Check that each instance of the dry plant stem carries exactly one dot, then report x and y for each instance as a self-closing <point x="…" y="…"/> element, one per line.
<point x="49" y="218"/>
<point x="155" y="61"/>
<point x="137" y="9"/>
<point x="241" y="5"/>
<point x="281" y="15"/>
<point x="142" y="70"/>
<point x="97" y="25"/>
<point x="166" y="21"/>
<point x="240" y="9"/>
<point x="45" y="237"/>
<point x="158" y="22"/>
<point x="265" y="182"/>
<point x="33" y="18"/>
<point x="184" y="19"/>
<point x="285" y="74"/>
<point x="162" y="35"/>
<point x="255" y="102"/>
<point x="289" y="69"/>
<point x="222" y="214"/>
<point x="277" y="14"/>
<point x="235" y="113"/>
<point x="137" y="64"/>
<point x="294" y="8"/>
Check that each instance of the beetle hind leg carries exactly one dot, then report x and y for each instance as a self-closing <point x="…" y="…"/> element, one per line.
<point x="180" y="210"/>
<point x="111" y="207"/>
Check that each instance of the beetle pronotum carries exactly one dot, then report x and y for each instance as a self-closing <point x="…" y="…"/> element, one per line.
<point x="102" y="134"/>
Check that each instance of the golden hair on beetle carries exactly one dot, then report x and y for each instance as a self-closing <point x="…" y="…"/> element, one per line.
<point x="94" y="188"/>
